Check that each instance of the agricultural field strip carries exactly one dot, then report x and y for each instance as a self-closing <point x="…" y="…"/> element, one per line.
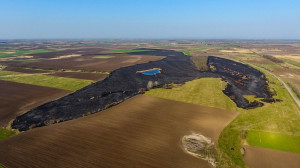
<point x="71" y="84"/>
<point x="274" y="141"/>
<point x="10" y="53"/>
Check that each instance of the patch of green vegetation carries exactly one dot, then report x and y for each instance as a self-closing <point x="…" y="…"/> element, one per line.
<point x="204" y="91"/>
<point x="185" y="52"/>
<point x="294" y="89"/>
<point x="197" y="49"/>
<point x="230" y="143"/>
<point x="24" y="60"/>
<point x="103" y="57"/>
<point x="251" y="53"/>
<point x="269" y="67"/>
<point x="10" y="53"/>
<point x="6" y="73"/>
<point x="200" y="62"/>
<point x="295" y="63"/>
<point x="5" y="133"/>
<point x="128" y="50"/>
<point x="71" y="84"/>
<point x="274" y="141"/>
<point x="251" y="98"/>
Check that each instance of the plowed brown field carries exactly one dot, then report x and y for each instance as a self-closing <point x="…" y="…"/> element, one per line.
<point x="17" y="98"/>
<point x="256" y="157"/>
<point x="79" y="75"/>
<point x="142" y="132"/>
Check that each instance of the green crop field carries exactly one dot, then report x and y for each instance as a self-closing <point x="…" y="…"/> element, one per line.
<point x="5" y="133"/>
<point x="279" y="118"/>
<point x="274" y="141"/>
<point x="103" y="57"/>
<point x="10" y="53"/>
<point x="204" y="91"/>
<point x="185" y="52"/>
<point x="251" y="53"/>
<point x="295" y="63"/>
<point x="23" y="60"/>
<point x="71" y="84"/>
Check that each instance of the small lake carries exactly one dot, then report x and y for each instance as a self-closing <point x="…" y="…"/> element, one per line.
<point x="151" y="72"/>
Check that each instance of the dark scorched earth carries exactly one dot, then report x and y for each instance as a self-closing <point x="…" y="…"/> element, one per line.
<point x="124" y="83"/>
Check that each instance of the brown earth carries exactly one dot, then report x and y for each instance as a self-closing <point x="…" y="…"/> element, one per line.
<point x="23" y="70"/>
<point x="256" y="157"/>
<point x="143" y="132"/>
<point x="79" y="75"/>
<point x="17" y="98"/>
<point x="89" y="63"/>
<point x="259" y="61"/>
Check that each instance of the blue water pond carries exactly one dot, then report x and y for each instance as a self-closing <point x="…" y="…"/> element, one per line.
<point x="151" y="72"/>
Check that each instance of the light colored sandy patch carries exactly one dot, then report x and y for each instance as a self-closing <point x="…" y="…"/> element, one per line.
<point x="132" y="59"/>
<point x="256" y="157"/>
<point x="237" y="50"/>
<point x="8" y="52"/>
<point x="25" y="56"/>
<point x="66" y="56"/>
<point x="200" y="146"/>
<point x="295" y="57"/>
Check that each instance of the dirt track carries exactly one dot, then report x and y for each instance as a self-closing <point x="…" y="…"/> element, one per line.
<point x="17" y="98"/>
<point x="142" y="132"/>
<point x="256" y="157"/>
<point x="124" y="83"/>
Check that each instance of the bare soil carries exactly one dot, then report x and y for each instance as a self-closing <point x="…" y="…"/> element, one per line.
<point x="23" y="70"/>
<point x="17" y="98"/>
<point x="143" y="132"/>
<point x="79" y="75"/>
<point x="256" y="157"/>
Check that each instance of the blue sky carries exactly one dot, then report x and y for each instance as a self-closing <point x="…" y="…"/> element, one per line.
<point x="154" y="19"/>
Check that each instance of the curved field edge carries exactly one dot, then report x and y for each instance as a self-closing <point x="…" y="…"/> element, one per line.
<point x="280" y="117"/>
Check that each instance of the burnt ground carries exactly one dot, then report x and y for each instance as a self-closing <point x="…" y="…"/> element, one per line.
<point x="124" y="83"/>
